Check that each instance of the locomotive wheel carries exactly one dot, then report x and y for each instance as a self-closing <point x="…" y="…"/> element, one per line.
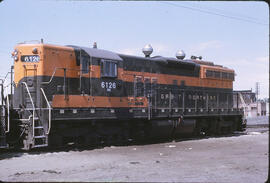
<point x="201" y="129"/>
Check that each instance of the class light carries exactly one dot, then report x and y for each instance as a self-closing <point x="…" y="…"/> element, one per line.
<point x="15" y="55"/>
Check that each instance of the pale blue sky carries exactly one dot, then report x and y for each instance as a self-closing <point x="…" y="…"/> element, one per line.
<point x="240" y="42"/>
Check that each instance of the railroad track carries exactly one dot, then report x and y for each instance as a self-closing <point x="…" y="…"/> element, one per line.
<point x="260" y="127"/>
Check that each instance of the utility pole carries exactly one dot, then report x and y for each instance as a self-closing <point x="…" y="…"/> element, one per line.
<point x="257" y="91"/>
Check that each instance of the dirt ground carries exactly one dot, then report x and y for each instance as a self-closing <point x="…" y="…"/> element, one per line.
<point x="239" y="158"/>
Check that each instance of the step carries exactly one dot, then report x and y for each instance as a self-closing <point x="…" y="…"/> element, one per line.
<point x="39" y="137"/>
<point x="29" y="105"/>
<point x="26" y="95"/>
<point x="41" y="145"/>
<point x="27" y="100"/>
<point x="32" y="89"/>
<point x="38" y="127"/>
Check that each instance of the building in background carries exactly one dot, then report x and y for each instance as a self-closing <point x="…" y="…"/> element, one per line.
<point x="252" y="106"/>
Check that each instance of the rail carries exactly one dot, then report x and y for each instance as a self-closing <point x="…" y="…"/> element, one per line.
<point x="32" y="108"/>
<point x="26" y="118"/>
<point x="65" y="85"/>
<point x="7" y="99"/>
<point x="8" y="118"/>
<point x="58" y="68"/>
<point x="50" y="109"/>
<point x="242" y="99"/>
<point x="47" y="82"/>
<point x="4" y="80"/>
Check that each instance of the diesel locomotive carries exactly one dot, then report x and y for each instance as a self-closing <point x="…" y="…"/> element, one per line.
<point x="72" y="94"/>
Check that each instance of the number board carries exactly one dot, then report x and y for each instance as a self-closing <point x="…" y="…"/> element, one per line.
<point x="30" y="58"/>
<point x="108" y="85"/>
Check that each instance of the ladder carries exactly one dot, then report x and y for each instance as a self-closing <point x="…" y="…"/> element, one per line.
<point x="39" y="136"/>
<point x="40" y="139"/>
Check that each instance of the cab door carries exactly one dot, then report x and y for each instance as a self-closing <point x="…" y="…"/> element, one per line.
<point x="138" y="87"/>
<point x="85" y="75"/>
<point x="150" y="86"/>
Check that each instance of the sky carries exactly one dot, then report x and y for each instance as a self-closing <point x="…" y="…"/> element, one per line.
<point x="234" y="34"/>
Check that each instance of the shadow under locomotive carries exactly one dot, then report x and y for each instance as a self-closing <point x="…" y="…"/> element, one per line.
<point x="73" y="146"/>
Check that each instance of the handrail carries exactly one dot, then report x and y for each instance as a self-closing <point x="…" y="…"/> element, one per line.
<point x="50" y="109"/>
<point x="32" y="105"/>
<point x="2" y="90"/>
<point x="7" y="99"/>
<point x="8" y="115"/>
<point x="8" y="85"/>
<point x="8" y="122"/>
<point x="47" y="82"/>
<point x="24" y="119"/>
<point x="6" y="76"/>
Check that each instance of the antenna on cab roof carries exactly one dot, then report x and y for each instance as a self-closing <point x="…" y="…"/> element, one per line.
<point x="95" y="45"/>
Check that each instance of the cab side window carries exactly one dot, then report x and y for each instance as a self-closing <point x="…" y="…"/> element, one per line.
<point x="108" y="68"/>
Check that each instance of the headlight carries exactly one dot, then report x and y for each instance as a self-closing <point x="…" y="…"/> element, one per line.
<point x="35" y="51"/>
